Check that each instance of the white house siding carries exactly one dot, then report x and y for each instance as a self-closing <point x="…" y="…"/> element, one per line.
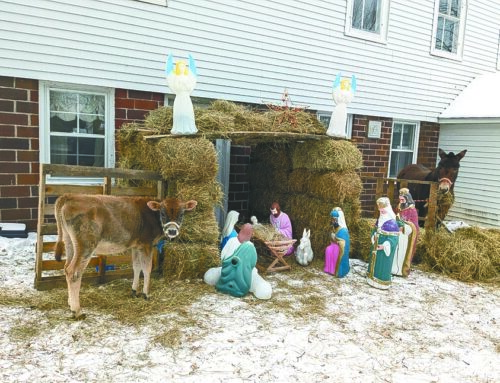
<point x="478" y="183"/>
<point x="248" y="51"/>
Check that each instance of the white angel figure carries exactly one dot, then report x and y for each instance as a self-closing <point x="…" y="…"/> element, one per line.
<point x="343" y="93"/>
<point x="181" y="78"/>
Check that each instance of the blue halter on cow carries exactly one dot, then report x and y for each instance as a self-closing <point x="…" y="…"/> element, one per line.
<point x="445" y="173"/>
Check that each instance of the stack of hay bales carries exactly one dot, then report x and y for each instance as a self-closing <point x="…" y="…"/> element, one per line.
<point x="468" y="254"/>
<point x="308" y="179"/>
<point x="189" y="165"/>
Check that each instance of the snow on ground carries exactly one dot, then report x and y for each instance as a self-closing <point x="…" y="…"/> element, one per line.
<point x="426" y="328"/>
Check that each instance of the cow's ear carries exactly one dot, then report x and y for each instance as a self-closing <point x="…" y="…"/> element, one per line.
<point x="154" y="205"/>
<point x="190" y="205"/>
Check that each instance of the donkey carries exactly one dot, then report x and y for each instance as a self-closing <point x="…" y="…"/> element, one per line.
<point x="445" y="173"/>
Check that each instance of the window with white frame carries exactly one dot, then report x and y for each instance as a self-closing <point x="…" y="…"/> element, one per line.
<point x="449" y="28"/>
<point x="77" y="125"/>
<point x="367" y="19"/>
<point x="325" y="117"/>
<point x="404" y="145"/>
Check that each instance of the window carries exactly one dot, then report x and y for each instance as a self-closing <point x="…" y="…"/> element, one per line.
<point x="367" y="19"/>
<point x="448" y="28"/>
<point x="403" y="146"/>
<point x="77" y="125"/>
<point x="325" y="117"/>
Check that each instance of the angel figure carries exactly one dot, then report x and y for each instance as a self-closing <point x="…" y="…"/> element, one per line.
<point x="181" y="78"/>
<point x="343" y="93"/>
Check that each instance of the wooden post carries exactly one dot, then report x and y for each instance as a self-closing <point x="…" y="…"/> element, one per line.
<point x="102" y="268"/>
<point x="41" y="218"/>
<point x="430" y="222"/>
<point x="106" y="187"/>
<point x="390" y="190"/>
<point x="379" y="192"/>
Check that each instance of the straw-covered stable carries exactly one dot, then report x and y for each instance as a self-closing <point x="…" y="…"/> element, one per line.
<point x="292" y="162"/>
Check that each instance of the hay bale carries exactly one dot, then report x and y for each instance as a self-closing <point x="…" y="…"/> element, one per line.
<point x="333" y="155"/>
<point x="160" y="120"/>
<point x="182" y="159"/>
<point x="200" y="226"/>
<point x="224" y="117"/>
<point x="469" y="254"/>
<point x="314" y="214"/>
<point x="188" y="260"/>
<point x="213" y="121"/>
<point x="263" y="177"/>
<point x="293" y="121"/>
<point x="360" y="234"/>
<point x="131" y="146"/>
<point x="274" y="156"/>
<point x="207" y="194"/>
<point x="338" y="187"/>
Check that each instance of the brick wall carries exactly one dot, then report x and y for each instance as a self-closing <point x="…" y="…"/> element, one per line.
<point x="133" y="105"/>
<point x="376" y="152"/>
<point x="19" y="142"/>
<point x="19" y="151"/>
<point x="428" y="144"/>
<point x="375" y="157"/>
<point x="239" y="191"/>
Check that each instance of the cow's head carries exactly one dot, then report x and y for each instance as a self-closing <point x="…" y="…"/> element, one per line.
<point x="171" y="214"/>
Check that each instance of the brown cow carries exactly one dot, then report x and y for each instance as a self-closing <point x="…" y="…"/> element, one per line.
<point x="90" y="224"/>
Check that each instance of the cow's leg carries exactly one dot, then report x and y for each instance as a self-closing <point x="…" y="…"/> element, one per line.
<point x="74" y="272"/>
<point x="136" y="264"/>
<point x="69" y="251"/>
<point x="147" y="264"/>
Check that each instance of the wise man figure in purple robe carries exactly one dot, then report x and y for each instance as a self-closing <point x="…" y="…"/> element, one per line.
<point x="281" y="222"/>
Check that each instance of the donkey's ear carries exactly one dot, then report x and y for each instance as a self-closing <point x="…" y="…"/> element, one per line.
<point x="442" y="153"/>
<point x="461" y="154"/>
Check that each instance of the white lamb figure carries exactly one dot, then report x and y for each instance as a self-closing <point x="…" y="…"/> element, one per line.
<point x="304" y="253"/>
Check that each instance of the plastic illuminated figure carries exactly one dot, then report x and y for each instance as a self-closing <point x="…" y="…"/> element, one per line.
<point x="384" y="243"/>
<point x="181" y="78"/>
<point x="337" y="253"/>
<point x="343" y="93"/>
<point x="237" y="274"/>
<point x="408" y="221"/>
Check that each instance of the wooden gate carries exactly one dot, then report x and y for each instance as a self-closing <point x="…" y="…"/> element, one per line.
<point x="49" y="273"/>
<point x="389" y="187"/>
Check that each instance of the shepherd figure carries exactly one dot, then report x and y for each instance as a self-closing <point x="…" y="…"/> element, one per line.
<point x="384" y="243"/>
